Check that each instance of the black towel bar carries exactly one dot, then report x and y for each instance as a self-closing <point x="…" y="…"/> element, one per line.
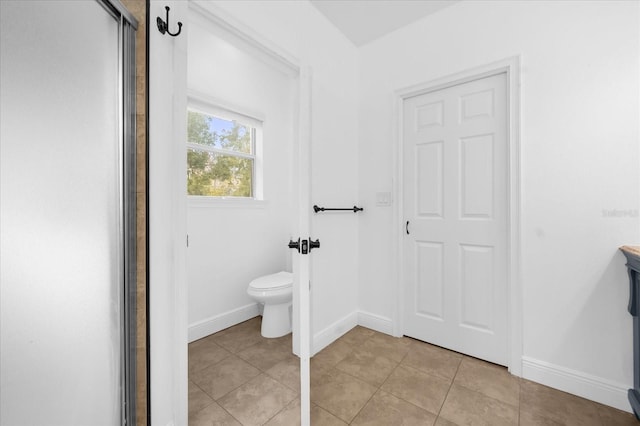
<point x="322" y="209"/>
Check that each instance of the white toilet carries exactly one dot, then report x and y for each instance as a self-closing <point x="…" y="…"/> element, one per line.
<point x="275" y="291"/>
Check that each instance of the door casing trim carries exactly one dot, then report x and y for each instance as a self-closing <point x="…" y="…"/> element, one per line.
<point x="510" y="66"/>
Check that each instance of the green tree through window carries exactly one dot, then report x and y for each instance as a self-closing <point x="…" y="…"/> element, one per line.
<point x="220" y="157"/>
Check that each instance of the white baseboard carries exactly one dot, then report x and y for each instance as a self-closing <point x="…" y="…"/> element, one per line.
<point x="576" y="382"/>
<point x="216" y="323"/>
<point x="375" y="322"/>
<point x="327" y="336"/>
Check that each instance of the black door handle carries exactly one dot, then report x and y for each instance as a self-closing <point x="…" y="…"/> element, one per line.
<point x="406" y="228"/>
<point x="295" y="244"/>
<point x="304" y="246"/>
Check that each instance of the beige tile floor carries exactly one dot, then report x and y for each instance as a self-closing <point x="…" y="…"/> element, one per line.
<point x="237" y="377"/>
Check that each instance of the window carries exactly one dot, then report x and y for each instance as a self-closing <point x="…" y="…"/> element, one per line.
<point x="221" y="156"/>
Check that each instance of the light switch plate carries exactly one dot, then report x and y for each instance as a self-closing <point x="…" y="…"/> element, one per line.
<point x="383" y="199"/>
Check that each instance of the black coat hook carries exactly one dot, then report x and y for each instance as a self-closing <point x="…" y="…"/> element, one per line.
<point x="163" y="26"/>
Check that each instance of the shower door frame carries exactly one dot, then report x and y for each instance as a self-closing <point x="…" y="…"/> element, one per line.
<point x="114" y="279"/>
<point x="127" y="26"/>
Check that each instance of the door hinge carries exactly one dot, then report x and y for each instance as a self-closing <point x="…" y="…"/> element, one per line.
<point x="187" y="240"/>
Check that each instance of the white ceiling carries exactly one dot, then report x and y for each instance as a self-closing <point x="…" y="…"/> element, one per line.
<point x="365" y="20"/>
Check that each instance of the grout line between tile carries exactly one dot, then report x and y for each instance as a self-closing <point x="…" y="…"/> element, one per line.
<point x="362" y="408"/>
<point x="453" y="379"/>
<point x="232" y="416"/>
<point x="402" y="399"/>
<point x="212" y="400"/>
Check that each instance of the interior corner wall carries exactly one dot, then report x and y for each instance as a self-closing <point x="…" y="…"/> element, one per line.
<point x="580" y="178"/>
<point x="302" y="31"/>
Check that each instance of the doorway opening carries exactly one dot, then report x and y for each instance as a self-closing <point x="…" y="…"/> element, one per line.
<point x="171" y="213"/>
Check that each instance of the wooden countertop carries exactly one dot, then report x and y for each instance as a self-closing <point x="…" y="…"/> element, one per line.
<point x="632" y="250"/>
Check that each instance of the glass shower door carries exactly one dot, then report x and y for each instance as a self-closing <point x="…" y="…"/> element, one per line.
<point x="63" y="217"/>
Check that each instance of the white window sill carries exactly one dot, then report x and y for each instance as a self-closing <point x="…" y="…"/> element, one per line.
<point x="225" y="202"/>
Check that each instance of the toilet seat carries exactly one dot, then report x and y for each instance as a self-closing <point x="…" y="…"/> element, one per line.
<point x="277" y="281"/>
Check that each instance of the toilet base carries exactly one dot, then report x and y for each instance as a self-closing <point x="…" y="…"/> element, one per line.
<point x="276" y="320"/>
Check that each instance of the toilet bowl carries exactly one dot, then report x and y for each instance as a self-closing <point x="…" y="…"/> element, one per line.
<point x="275" y="291"/>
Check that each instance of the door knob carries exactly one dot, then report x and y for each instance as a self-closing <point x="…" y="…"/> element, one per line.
<point x="295" y="244"/>
<point x="304" y="246"/>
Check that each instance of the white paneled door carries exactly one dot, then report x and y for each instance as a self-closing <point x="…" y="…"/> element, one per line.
<point x="455" y="205"/>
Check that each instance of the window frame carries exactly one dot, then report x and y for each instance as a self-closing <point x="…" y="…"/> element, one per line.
<point x="205" y="105"/>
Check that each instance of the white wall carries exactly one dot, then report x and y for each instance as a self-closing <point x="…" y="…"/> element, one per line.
<point x="232" y="242"/>
<point x="579" y="157"/>
<point x="299" y="29"/>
